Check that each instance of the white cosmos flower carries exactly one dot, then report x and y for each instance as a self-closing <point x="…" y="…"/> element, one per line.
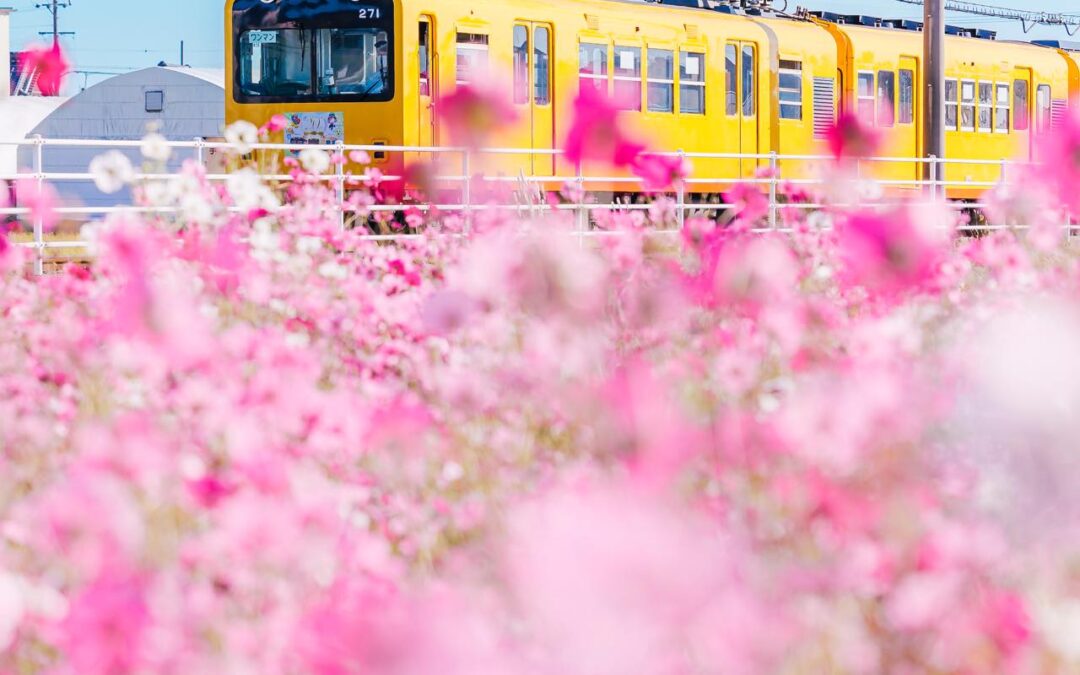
<point x="248" y="191"/>
<point x="332" y="270"/>
<point x="155" y="148"/>
<point x="242" y="135"/>
<point x="195" y="208"/>
<point x="315" y="161"/>
<point x="12" y="605"/>
<point x="112" y="171"/>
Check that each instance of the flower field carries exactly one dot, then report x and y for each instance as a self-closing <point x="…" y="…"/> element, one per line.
<point x="247" y="440"/>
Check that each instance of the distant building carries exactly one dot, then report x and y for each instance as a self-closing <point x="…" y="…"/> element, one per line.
<point x="181" y="103"/>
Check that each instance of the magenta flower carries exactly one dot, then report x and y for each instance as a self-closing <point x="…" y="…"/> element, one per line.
<point x="50" y="64"/>
<point x="40" y="200"/>
<point x="661" y="172"/>
<point x="596" y="133"/>
<point x="474" y="112"/>
<point x="106" y="624"/>
<point x="888" y="252"/>
<point x="853" y="138"/>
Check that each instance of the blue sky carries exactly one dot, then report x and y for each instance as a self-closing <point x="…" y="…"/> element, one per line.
<point x="118" y="35"/>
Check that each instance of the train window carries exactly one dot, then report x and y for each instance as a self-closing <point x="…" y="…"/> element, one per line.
<point x="1001" y="111"/>
<point x="967" y="105"/>
<point x="275" y="63"/>
<point x="749" y="99"/>
<point x="791" y="90"/>
<point x="866" y="97"/>
<point x="541" y="65"/>
<point x="661" y="88"/>
<point x="1021" y="106"/>
<point x="353" y="61"/>
<point x="906" y="114"/>
<point x="986" y="107"/>
<point x="952" y="105"/>
<point x="691" y="83"/>
<point x="886" y="98"/>
<point x="731" y="79"/>
<point x="592" y="67"/>
<point x="472" y="56"/>
<point x="424" y="57"/>
<point x="1042" y="107"/>
<point x="521" y="64"/>
<point x="627" y="78"/>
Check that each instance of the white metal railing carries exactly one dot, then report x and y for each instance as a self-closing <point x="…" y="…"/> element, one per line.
<point x="528" y="195"/>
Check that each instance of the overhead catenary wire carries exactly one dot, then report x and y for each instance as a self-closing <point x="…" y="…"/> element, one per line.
<point x="1027" y="19"/>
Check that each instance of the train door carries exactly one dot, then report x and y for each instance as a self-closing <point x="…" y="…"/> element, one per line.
<point x="1021" y="104"/>
<point x="908" y="129"/>
<point x="428" y="79"/>
<point x="533" y="91"/>
<point x="741" y="105"/>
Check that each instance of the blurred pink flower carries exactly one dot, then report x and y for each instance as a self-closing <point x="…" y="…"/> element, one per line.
<point x="50" y="64"/>
<point x="40" y="200"/>
<point x="474" y="112"/>
<point x="749" y="203"/>
<point x="596" y="133"/>
<point x="106" y="624"/>
<point x="1058" y="164"/>
<point x="853" y="138"/>
<point x="277" y="123"/>
<point x="615" y="582"/>
<point x="888" y="251"/>
<point x="661" y="172"/>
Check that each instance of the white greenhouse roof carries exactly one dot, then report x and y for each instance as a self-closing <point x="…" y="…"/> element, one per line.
<point x="21" y="115"/>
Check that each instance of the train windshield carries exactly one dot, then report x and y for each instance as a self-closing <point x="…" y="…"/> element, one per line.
<point x="295" y="50"/>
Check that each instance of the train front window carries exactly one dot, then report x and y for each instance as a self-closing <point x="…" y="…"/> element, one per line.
<point x="275" y="63"/>
<point x="353" y="61"/>
<point x="301" y="51"/>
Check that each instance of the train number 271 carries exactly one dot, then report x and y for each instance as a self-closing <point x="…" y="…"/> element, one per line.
<point x="370" y="13"/>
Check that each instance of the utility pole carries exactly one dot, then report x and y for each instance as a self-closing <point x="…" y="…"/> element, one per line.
<point x="54" y="7"/>
<point x="934" y="77"/>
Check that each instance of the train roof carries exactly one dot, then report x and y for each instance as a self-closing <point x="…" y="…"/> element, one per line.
<point x="761" y="8"/>
<point x="1067" y="45"/>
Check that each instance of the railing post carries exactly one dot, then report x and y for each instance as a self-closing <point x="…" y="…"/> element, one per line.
<point x="1004" y="172"/>
<point x="934" y="169"/>
<point x="581" y="213"/>
<point x="774" y="168"/>
<point x="39" y="225"/>
<point x="339" y="177"/>
<point x="200" y="151"/>
<point x="680" y="216"/>
<point x="466" y="192"/>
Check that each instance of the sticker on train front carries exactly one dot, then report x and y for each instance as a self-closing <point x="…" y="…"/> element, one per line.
<point x="315" y="128"/>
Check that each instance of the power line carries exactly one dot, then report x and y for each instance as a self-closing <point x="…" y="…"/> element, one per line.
<point x="1028" y="20"/>
<point x="54" y="7"/>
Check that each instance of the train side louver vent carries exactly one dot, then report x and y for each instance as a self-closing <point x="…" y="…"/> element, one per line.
<point x="1059" y="108"/>
<point x="824" y="106"/>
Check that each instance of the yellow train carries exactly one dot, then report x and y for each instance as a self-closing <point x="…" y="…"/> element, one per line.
<point x="704" y="78"/>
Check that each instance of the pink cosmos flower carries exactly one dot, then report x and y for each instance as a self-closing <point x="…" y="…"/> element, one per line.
<point x="1059" y="163"/>
<point x="106" y="623"/>
<point x="888" y="252"/>
<point x="474" y="112"/>
<point x="852" y="138"/>
<point x="50" y="64"/>
<point x="277" y="123"/>
<point x="41" y="200"/>
<point x="749" y="203"/>
<point x="596" y="133"/>
<point x="660" y="172"/>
